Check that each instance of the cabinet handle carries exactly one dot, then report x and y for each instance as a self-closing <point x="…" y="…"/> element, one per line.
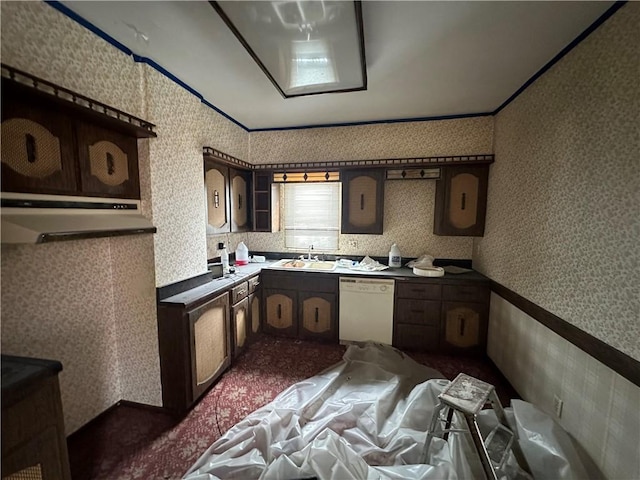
<point x="316" y="314"/>
<point x="463" y="201"/>
<point x="111" y="166"/>
<point x="417" y="311"/>
<point x="362" y="201"/>
<point x="461" y="318"/>
<point x="216" y="199"/>
<point x="239" y="202"/>
<point x="279" y="311"/>
<point x="30" y="143"/>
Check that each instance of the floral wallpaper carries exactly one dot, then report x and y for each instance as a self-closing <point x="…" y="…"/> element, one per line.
<point x="39" y="40"/>
<point x="363" y="142"/>
<point x="57" y="303"/>
<point x="408" y="222"/>
<point x="91" y="304"/>
<point x="176" y="166"/>
<point x="563" y="219"/>
<point x="409" y="204"/>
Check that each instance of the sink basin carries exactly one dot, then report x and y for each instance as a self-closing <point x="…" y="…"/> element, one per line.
<point x="309" y="265"/>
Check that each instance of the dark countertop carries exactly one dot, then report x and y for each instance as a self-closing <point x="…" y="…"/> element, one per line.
<point x="217" y="286"/>
<point x="20" y="374"/>
<point x="214" y="287"/>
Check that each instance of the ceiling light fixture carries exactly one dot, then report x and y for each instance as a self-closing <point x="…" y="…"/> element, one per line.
<point x="305" y="47"/>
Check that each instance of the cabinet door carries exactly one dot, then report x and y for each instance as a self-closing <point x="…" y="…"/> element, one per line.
<point x="216" y="179"/>
<point x="108" y="162"/>
<point x="461" y="201"/>
<point x="254" y="315"/>
<point x="210" y="343"/>
<point x="317" y="316"/>
<point x="422" y="338"/>
<point x="362" y="201"/>
<point x="240" y="182"/>
<point x="240" y="321"/>
<point x="280" y="310"/>
<point x="37" y="150"/>
<point x="464" y="326"/>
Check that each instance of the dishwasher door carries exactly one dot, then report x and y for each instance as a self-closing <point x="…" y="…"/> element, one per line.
<point x="366" y="310"/>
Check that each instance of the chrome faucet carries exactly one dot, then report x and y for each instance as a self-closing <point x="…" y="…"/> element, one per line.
<point x="309" y="252"/>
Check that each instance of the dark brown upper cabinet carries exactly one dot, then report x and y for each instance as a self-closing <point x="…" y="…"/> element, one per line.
<point x="37" y="149"/>
<point x="362" y="201"/>
<point x="266" y="203"/>
<point x="240" y="206"/>
<point x="461" y="201"/>
<point x="55" y="141"/>
<point x="108" y="162"/>
<point x="216" y="181"/>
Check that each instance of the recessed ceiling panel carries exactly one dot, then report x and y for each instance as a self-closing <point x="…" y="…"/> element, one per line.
<point x="304" y="47"/>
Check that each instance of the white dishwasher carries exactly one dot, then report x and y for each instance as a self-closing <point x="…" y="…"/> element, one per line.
<point x="366" y="310"/>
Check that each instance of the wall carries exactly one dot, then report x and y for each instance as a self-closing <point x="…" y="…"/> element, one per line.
<point x="408" y="209"/>
<point x="562" y="231"/>
<point x="562" y="224"/>
<point x="91" y="304"/>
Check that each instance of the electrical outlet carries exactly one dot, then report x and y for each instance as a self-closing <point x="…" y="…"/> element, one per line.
<point x="353" y="243"/>
<point x="557" y="405"/>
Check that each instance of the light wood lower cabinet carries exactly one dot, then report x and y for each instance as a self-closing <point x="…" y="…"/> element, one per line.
<point x="255" y="315"/>
<point x="195" y="349"/>
<point x="464" y="326"/>
<point x="300" y="305"/>
<point x="317" y="315"/>
<point x="240" y="318"/>
<point x="280" y="306"/>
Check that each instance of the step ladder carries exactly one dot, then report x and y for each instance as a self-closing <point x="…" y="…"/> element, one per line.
<point x="465" y="397"/>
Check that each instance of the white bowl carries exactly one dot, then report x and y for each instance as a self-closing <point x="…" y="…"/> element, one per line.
<point x="428" y="271"/>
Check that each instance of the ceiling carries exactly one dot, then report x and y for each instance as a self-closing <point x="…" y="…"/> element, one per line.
<point x="424" y="59"/>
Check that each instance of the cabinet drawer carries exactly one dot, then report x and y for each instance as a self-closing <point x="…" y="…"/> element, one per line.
<point x="301" y="281"/>
<point x="239" y="292"/>
<point x="420" y="312"/>
<point x="468" y="293"/>
<point x="253" y="283"/>
<point x="421" y="291"/>
<point x="416" y="337"/>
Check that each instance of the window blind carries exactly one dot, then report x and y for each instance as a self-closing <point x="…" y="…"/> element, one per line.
<point x="312" y="215"/>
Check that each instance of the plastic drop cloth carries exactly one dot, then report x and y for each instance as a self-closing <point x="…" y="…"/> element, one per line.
<point x="365" y="417"/>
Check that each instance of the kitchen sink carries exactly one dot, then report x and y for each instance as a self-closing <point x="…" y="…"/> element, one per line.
<point x="308" y="265"/>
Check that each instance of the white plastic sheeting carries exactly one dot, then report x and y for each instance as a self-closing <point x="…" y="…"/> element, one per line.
<point x="365" y="417"/>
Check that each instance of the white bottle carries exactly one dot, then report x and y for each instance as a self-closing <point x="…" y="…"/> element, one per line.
<point x="242" y="254"/>
<point x="224" y="257"/>
<point x="395" y="260"/>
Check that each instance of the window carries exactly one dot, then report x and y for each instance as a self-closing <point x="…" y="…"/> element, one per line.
<point x="312" y="215"/>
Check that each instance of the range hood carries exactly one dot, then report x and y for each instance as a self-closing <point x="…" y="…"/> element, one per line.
<point x="51" y="218"/>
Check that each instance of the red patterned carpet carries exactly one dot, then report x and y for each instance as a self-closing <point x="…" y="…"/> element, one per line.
<point x="134" y="443"/>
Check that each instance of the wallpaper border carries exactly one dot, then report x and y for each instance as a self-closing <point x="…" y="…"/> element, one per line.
<point x="613" y="358"/>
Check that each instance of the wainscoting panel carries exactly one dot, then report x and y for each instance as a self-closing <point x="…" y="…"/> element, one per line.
<point x="601" y="408"/>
